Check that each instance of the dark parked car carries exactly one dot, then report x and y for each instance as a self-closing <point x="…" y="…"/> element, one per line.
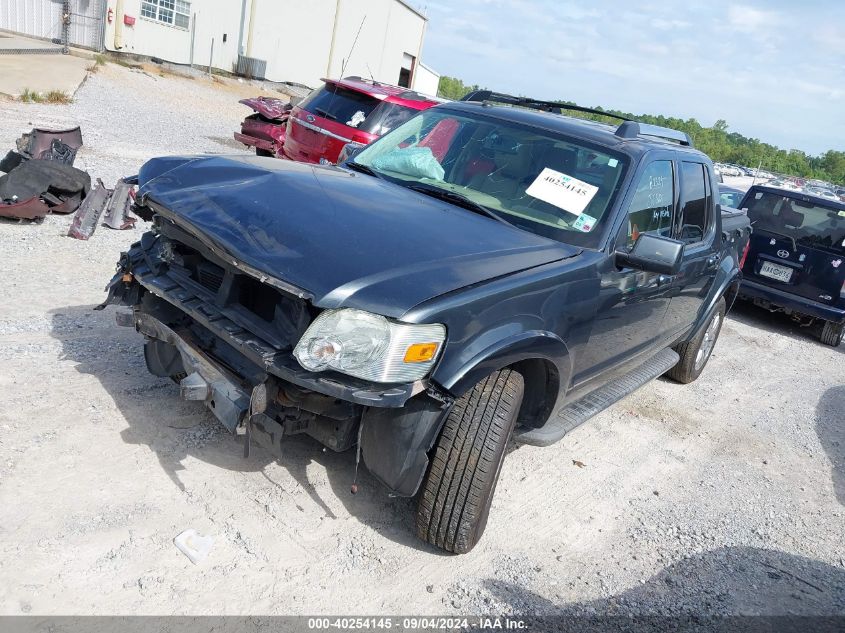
<point x="796" y="262"/>
<point x="480" y="272"/>
<point x="314" y="130"/>
<point x="730" y="196"/>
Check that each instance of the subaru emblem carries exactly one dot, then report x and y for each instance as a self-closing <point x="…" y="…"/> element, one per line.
<point x="783" y="254"/>
<point x="310" y="118"/>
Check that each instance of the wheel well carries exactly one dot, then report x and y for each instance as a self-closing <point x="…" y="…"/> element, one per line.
<point x="542" y="385"/>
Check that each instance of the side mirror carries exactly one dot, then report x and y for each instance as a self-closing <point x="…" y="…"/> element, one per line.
<point x="653" y="253"/>
<point x="349" y="151"/>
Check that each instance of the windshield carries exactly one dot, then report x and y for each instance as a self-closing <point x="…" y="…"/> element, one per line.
<point x="810" y="223"/>
<point x="533" y="178"/>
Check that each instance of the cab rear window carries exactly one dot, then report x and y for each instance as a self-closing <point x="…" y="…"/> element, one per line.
<point x="811" y="223"/>
<point x="340" y="105"/>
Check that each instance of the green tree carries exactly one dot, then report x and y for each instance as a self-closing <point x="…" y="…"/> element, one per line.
<point x="452" y="88"/>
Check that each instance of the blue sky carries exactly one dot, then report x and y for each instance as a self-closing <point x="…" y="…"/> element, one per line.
<point x="773" y="70"/>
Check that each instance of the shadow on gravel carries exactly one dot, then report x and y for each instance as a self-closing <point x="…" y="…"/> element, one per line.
<point x="728" y="581"/>
<point x="775" y="322"/>
<point x="176" y="430"/>
<point x="830" y="414"/>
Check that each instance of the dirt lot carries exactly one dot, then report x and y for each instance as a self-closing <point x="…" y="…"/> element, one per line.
<point x="724" y="496"/>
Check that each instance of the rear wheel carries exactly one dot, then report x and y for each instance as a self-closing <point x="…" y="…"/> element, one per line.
<point x="696" y="352"/>
<point x="458" y="490"/>
<point x="832" y="333"/>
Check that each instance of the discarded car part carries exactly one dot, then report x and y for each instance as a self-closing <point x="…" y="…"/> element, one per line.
<point x="117" y="210"/>
<point x="86" y="218"/>
<point x="61" y="152"/>
<point x="38" y="144"/>
<point x="11" y="160"/>
<point x="32" y="209"/>
<point x="61" y="187"/>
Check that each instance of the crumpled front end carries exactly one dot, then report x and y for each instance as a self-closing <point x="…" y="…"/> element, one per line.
<point x="226" y="337"/>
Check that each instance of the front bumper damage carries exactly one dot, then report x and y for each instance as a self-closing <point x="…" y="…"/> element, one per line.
<point x="222" y="392"/>
<point x="244" y="372"/>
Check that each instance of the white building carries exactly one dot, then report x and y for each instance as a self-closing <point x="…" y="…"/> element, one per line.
<point x="291" y="40"/>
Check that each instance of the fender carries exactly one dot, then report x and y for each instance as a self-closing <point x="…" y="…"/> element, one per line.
<point x="533" y="344"/>
<point x="395" y="442"/>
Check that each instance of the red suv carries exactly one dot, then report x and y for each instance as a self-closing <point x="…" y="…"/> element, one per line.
<point x="350" y="110"/>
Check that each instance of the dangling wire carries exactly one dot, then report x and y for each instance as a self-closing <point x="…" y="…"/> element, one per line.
<point x="354" y="488"/>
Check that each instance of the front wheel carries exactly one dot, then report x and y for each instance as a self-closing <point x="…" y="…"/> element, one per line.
<point x="696" y="352"/>
<point x="458" y="490"/>
<point x="263" y="152"/>
<point x="832" y="333"/>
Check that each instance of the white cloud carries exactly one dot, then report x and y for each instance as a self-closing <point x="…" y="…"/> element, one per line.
<point x="750" y="20"/>
<point x="754" y="65"/>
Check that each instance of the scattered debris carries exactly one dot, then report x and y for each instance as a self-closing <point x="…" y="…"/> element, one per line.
<point x="34" y="188"/>
<point x="114" y="202"/>
<point x="194" y="545"/>
<point x="39" y="177"/>
<point x="575" y="462"/>
<point x="117" y="209"/>
<point x="44" y="144"/>
<point x="86" y="218"/>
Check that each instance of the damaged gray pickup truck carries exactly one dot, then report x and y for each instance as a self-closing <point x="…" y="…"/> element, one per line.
<point x="480" y="273"/>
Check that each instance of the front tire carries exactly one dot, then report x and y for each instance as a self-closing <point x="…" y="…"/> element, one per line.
<point x="457" y="493"/>
<point x="263" y="152"/>
<point x="696" y="352"/>
<point x="832" y="333"/>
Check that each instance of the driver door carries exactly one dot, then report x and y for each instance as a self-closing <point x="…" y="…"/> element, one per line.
<point x="632" y="303"/>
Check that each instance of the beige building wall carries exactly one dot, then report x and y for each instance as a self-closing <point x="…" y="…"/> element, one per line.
<point x="301" y="40"/>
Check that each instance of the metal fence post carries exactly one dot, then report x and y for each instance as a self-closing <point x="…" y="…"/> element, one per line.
<point x="65" y="26"/>
<point x="193" y="34"/>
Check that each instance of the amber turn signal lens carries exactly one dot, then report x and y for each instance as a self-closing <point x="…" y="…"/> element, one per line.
<point x="420" y="352"/>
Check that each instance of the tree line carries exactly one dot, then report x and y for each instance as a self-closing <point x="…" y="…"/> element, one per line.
<point x="717" y="141"/>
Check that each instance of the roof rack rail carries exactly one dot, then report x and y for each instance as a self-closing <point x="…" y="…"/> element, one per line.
<point x="535" y="104"/>
<point x="634" y="129"/>
<point x="628" y="129"/>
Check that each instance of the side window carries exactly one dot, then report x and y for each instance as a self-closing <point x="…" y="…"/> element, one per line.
<point x="695" y="200"/>
<point x="651" y="208"/>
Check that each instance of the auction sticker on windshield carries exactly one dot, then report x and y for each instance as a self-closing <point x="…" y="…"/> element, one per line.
<point x="565" y="192"/>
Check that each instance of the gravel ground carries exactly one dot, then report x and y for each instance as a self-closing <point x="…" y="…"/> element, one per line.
<point x="721" y="497"/>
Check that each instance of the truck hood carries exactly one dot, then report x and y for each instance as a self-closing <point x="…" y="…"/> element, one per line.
<point x="346" y="239"/>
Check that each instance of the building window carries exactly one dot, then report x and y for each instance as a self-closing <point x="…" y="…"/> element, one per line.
<point x="173" y="12"/>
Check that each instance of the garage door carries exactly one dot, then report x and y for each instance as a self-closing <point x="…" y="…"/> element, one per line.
<point x="43" y="19"/>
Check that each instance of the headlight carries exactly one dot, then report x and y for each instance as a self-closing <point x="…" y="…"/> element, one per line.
<point x="369" y="346"/>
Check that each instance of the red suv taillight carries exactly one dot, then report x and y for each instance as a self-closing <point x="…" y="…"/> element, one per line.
<point x="744" y="254"/>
